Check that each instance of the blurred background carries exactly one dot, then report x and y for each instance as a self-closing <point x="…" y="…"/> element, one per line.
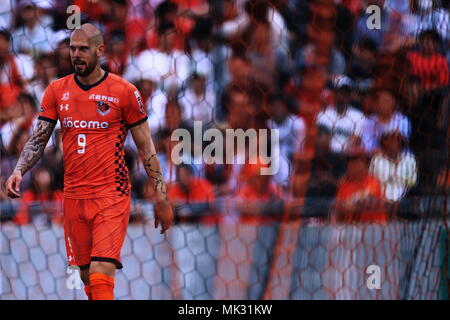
<point x="362" y="115"/>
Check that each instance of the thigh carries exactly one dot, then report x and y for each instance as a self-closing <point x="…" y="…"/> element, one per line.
<point x="77" y="234"/>
<point x="109" y="228"/>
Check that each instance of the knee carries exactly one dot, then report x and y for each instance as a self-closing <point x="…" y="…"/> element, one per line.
<point x="104" y="267"/>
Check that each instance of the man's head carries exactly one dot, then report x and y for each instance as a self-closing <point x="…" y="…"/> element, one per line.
<point x="357" y="164"/>
<point x="86" y="48"/>
<point x="385" y="103"/>
<point x="342" y="86"/>
<point x="185" y="175"/>
<point x="429" y="41"/>
<point x="392" y="143"/>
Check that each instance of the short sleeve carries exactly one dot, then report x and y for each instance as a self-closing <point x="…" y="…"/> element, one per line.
<point x="134" y="112"/>
<point x="47" y="109"/>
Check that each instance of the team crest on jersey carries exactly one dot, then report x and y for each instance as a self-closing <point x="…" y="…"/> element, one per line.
<point x="139" y="100"/>
<point x="65" y="96"/>
<point x="103" y="108"/>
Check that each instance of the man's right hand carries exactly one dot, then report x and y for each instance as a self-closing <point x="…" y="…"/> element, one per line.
<point x="13" y="184"/>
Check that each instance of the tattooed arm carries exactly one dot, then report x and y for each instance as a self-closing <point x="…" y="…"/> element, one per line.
<point x="30" y="155"/>
<point x="163" y="210"/>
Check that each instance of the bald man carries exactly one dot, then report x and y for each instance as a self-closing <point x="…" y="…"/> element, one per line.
<point x="95" y="109"/>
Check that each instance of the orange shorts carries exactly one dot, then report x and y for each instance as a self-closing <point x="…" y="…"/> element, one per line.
<point x="95" y="229"/>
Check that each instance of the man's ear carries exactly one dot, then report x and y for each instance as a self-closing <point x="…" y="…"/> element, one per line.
<point x="100" y="50"/>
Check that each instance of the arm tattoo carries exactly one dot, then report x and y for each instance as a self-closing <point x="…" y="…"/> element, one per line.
<point x="35" y="146"/>
<point x="153" y="170"/>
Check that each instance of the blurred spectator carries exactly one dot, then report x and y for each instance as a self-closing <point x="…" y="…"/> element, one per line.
<point x="386" y="118"/>
<point x="359" y="196"/>
<point x="197" y="102"/>
<point x="166" y="65"/>
<point x="344" y="122"/>
<point x="42" y="198"/>
<point x="33" y="34"/>
<point x="362" y="63"/>
<point x="258" y="198"/>
<point x="166" y="13"/>
<point x="62" y="57"/>
<point x="254" y="12"/>
<point x="426" y="15"/>
<point x="117" y="55"/>
<point x="12" y="73"/>
<point x="394" y="167"/>
<point x="291" y="133"/>
<point x="20" y="127"/>
<point x="327" y="168"/>
<point x="45" y="72"/>
<point x="428" y="64"/>
<point x="192" y="197"/>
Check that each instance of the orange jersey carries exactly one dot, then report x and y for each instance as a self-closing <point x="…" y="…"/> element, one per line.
<point x="367" y="187"/>
<point x="94" y="121"/>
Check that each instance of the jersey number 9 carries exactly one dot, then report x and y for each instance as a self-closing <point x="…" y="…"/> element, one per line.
<point x="82" y="142"/>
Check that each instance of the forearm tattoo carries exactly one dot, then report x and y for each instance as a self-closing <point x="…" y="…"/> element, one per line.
<point x="35" y="146"/>
<point x="153" y="170"/>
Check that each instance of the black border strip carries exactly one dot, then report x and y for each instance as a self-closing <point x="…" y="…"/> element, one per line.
<point x="48" y="119"/>
<point x="137" y="122"/>
<point x="90" y="86"/>
<point x="103" y="259"/>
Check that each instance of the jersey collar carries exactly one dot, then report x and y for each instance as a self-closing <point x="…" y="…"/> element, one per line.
<point x="90" y="86"/>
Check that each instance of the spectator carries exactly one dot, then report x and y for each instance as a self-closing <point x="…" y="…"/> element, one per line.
<point x="20" y="127"/>
<point x="41" y="198"/>
<point x="12" y="73"/>
<point x="362" y="63"/>
<point x="359" y="195"/>
<point x="167" y="13"/>
<point x="394" y="167"/>
<point x="259" y="198"/>
<point x="198" y="103"/>
<point x="192" y="197"/>
<point x="167" y="65"/>
<point x="385" y="118"/>
<point x="33" y="36"/>
<point x="292" y="133"/>
<point x="45" y="72"/>
<point x="428" y="64"/>
<point x="344" y="122"/>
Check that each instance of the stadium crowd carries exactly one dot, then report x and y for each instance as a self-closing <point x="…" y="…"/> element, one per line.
<point x="362" y="113"/>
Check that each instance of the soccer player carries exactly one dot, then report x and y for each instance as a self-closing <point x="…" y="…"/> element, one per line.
<point x="95" y="109"/>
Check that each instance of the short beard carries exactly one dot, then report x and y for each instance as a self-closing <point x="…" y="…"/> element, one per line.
<point x="87" y="71"/>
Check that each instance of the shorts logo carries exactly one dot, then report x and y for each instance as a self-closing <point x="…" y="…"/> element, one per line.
<point x="139" y="100"/>
<point x="41" y="109"/>
<point x="103" y="108"/>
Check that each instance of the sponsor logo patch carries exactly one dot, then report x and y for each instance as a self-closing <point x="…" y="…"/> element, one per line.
<point x="103" y="108"/>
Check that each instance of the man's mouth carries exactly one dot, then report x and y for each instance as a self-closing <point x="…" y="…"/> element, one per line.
<point x="79" y="63"/>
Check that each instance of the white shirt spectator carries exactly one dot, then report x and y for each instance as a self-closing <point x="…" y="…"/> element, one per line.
<point x="292" y="133"/>
<point x="167" y="69"/>
<point x="198" y="108"/>
<point x="156" y="110"/>
<point x="25" y="68"/>
<point x="34" y="41"/>
<point x="374" y="129"/>
<point x="341" y="127"/>
<point x="396" y="177"/>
